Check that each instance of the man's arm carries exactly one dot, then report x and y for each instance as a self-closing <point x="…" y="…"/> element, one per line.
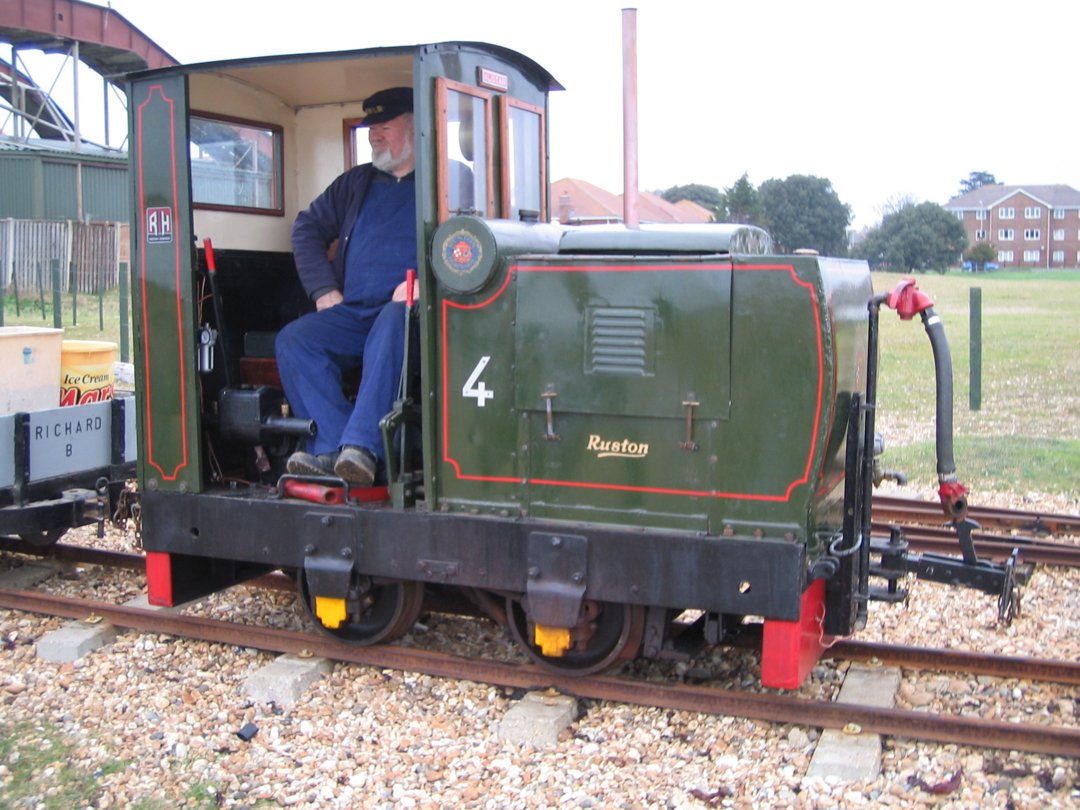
<point x="315" y="230"/>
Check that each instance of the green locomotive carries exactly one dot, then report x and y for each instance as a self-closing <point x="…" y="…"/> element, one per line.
<point x="613" y="440"/>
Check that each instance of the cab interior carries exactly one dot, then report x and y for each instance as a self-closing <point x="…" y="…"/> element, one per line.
<point x="265" y="138"/>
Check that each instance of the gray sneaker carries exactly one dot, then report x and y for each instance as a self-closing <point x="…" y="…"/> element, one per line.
<point x="309" y="464"/>
<point x="356" y="465"/>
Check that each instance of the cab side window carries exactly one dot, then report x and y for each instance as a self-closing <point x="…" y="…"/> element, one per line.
<point x="524" y="165"/>
<point x="464" y="133"/>
<point x="235" y="164"/>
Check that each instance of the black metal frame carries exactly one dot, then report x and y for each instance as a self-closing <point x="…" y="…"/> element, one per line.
<point x="737" y="575"/>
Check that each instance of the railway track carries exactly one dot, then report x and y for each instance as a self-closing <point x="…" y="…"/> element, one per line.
<point x="888" y="509"/>
<point x="943" y="540"/>
<point x="706" y="699"/>
<point x="916" y="658"/>
<point x="768" y="707"/>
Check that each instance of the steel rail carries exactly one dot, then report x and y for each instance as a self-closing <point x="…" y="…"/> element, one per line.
<point x="134" y="561"/>
<point x="708" y="700"/>
<point x="129" y="560"/>
<point x="974" y="663"/>
<point x="943" y="540"/>
<point x="936" y="659"/>
<point x="888" y="508"/>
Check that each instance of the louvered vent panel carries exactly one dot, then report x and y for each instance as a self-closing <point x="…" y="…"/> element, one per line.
<point x="619" y="341"/>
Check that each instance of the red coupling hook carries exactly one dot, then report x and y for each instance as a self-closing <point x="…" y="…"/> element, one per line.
<point x="908" y="300"/>
<point x="953" y="497"/>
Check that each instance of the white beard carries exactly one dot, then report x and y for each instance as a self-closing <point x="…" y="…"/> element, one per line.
<point x="382" y="160"/>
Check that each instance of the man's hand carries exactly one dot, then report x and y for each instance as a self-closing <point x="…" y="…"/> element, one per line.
<point x="401" y="293"/>
<point x="327" y="300"/>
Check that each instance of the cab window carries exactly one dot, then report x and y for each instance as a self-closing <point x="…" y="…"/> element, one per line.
<point x="235" y="164"/>
<point x="357" y="148"/>
<point x="464" y="138"/>
<point x="524" y="181"/>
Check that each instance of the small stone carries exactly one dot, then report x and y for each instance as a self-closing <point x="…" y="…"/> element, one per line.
<point x="920" y="698"/>
<point x="958" y="686"/>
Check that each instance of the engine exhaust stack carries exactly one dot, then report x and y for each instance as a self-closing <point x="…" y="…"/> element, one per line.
<point x="630" y="143"/>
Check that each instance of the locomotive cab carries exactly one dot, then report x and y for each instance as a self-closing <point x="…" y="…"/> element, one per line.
<point x="226" y="155"/>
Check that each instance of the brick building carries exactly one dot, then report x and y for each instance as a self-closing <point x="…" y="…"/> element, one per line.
<point x="1028" y="226"/>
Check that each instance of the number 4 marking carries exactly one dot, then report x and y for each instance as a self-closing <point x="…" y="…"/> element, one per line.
<point x="478" y="391"/>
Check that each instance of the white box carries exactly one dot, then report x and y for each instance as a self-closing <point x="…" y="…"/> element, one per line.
<point x="29" y="368"/>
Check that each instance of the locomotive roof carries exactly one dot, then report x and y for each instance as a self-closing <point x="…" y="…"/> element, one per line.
<point x="292" y="77"/>
<point x="696" y="239"/>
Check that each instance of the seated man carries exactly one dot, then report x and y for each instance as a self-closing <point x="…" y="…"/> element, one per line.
<point x="370" y="211"/>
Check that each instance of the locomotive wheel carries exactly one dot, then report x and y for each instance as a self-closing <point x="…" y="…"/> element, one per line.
<point x="612" y="633"/>
<point x="43" y="539"/>
<point x="389" y="611"/>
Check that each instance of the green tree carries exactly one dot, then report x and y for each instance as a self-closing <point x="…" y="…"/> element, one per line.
<point x="977" y="180"/>
<point x="744" y="203"/>
<point x="805" y="212"/>
<point x="980" y="254"/>
<point x="916" y="237"/>
<point x="705" y="196"/>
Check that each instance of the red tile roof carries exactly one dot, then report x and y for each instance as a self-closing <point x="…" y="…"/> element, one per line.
<point x="580" y="202"/>
<point x="1053" y="196"/>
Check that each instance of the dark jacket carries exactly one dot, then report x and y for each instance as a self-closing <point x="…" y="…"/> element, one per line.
<point x="330" y="217"/>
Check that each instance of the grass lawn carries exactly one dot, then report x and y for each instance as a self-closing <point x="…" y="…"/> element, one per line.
<point x="1025" y="436"/>
<point x="87" y="318"/>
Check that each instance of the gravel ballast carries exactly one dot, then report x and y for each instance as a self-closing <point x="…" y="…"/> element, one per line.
<point x="151" y="721"/>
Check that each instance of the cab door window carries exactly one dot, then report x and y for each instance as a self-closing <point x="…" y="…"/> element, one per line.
<point x="464" y="150"/>
<point x="524" y="171"/>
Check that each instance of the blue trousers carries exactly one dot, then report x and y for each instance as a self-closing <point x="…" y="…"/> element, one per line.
<point x="314" y="350"/>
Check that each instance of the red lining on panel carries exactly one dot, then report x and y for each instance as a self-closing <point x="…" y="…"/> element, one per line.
<point x="448" y="305"/>
<point x="159" y="90"/>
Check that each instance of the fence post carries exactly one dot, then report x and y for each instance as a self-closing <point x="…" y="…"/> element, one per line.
<point x="73" y="281"/>
<point x="15" y="289"/>
<point x="124" y="310"/>
<point x="975" y="387"/>
<point x="8" y="266"/>
<point x="57" y="315"/>
<point x="41" y="288"/>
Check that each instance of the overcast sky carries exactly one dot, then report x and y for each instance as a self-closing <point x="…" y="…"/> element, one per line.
<point x="885" y="99"/>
